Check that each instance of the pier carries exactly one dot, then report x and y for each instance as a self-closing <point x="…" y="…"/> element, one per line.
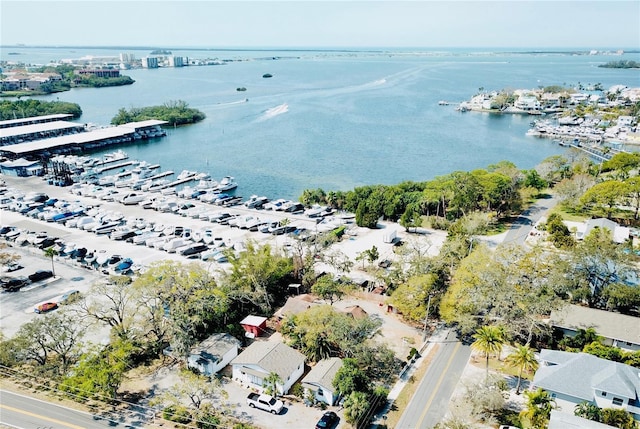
<point x="114" y="166"/>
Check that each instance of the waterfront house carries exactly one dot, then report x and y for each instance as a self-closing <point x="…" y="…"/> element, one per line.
<point x="617" y="330"/>
<point x="319" y="381"/>
<point x="256" y="362"/>
<point x="528" y="102"/>
<point x="572" y="378"/>
<point x="214" y="353"/>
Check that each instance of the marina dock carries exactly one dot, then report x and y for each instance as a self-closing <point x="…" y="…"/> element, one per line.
<point x="114" y="166"/>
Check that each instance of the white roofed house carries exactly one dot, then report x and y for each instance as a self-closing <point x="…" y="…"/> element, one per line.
<point x="527" y="102"/>
<point x="619" y="234"/>
<point x="572" y="378"/>
<point x="214" y="353"/>
<point x="320" y="380"/>
<point x="256" y="362"/>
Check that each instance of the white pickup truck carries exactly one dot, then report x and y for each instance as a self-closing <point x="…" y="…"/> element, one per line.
<point x="265" y="402"/>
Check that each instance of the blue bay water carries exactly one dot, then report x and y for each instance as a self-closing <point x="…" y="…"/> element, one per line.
<point x="336" y="120"/>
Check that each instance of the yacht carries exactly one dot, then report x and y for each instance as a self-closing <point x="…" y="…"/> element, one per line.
<point x="227" y="183"/>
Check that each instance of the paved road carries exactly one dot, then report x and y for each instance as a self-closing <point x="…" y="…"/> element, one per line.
<point x="429" y="404"/>
<point x="524" y="223"/>
<point x="24" y="412"/>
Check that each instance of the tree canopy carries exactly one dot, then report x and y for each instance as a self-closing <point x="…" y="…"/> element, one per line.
<point x="174" y="112"/>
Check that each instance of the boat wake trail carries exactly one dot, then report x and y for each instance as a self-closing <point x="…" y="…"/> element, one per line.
<point x="231" y="103"/>
<point x="274" y="111"/>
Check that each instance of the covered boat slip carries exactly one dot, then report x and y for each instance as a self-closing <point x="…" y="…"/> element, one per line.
<point x="18" y="122"/>
<point x="31" y="132"/>
<point x="81" y="140"/>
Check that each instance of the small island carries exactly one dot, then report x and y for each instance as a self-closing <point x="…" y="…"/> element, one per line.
<point x="28" y="108"/>
<point x="174" y="112"/>
<point x="622" y="64"/>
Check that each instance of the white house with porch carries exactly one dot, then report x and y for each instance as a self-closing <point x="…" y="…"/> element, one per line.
<point x="319" y="380"/>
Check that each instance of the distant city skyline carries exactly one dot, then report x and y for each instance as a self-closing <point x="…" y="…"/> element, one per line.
<point x="316" y="24"/>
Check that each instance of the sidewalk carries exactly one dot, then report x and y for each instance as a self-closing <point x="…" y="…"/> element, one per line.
<point x="438" y="336"/>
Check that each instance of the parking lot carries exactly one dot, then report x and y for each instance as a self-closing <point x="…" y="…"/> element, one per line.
<point x="17" y="308"/>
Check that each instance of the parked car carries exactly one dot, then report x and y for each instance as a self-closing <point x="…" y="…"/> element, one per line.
<point x="45" y="307"/>
<point x="14" y="266"/>
<point x="69" y="297"/>
<point x="327" y="421"/>
<point x="13" y="283"/>
<point x="265" y="402"/>
<point x="40" y="275"/>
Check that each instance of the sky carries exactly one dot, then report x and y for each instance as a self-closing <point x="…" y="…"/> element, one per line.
<point x="330" y="23"/>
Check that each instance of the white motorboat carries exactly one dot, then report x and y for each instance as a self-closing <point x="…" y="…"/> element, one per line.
<point x="227" y="183"/>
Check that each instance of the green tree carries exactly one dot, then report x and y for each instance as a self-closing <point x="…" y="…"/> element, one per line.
<point x="258" y="277"/>
<point x="99" y="373"/>
<point x="523" y="358"/>
<point x="488" y="340"/>
<point x="410" y="218"/>
<point x="618" y="418"/>
<point x="50" y="252"/>
<point x="621" y="297"/>
<point x="605" y="196"/>
<point x="589" y="411"/>
<point x="271" y="382"/>
<point x="411" y="297"/>
<point x="356" y="406"/>
<point x="539" y="404"/>
<point x="350" y="378"/>
<point x="328" y="288"/>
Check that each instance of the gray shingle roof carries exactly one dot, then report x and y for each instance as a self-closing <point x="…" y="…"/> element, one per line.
<point x="580" y="373"/>
<point x="272" y="356"/>
<point x="606" y="323"/>
<point x="323" y="373"/>
<point x="216" y="346"/>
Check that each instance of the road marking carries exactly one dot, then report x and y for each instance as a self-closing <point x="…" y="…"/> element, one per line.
<point x="437" y="386"/>
<point x="49" y="419"/>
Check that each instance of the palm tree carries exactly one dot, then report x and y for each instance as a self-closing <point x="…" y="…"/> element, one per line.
<point x="539" y="406"/>
<point x="488" y="339"/>
<point x="589" y="411"/>
<point x="50" y="252"/>
<point x="272" y="381"/>
<point x="524" y="359"/>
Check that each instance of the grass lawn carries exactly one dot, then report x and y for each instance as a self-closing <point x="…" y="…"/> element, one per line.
<point x="499" y="366"/>
<point x="403" y="399"/>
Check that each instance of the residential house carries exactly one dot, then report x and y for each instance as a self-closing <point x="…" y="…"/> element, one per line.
<point x="618" y="330"/>
<point x="527" y="102"/>
<point x="356" y="312"/>
<point x="572" y="378"/>
<point x="319" y="380"/>
<point x="256" y="362"/>
<point x="620" y="234"/>
<point x="214" y="353"/>
<point x="295" y="305"/>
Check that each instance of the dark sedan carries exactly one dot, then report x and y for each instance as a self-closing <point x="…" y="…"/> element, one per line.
<point x="328" y="420"/>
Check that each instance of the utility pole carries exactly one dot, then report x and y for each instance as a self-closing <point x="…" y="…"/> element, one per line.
<point x="426" y="319"/>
